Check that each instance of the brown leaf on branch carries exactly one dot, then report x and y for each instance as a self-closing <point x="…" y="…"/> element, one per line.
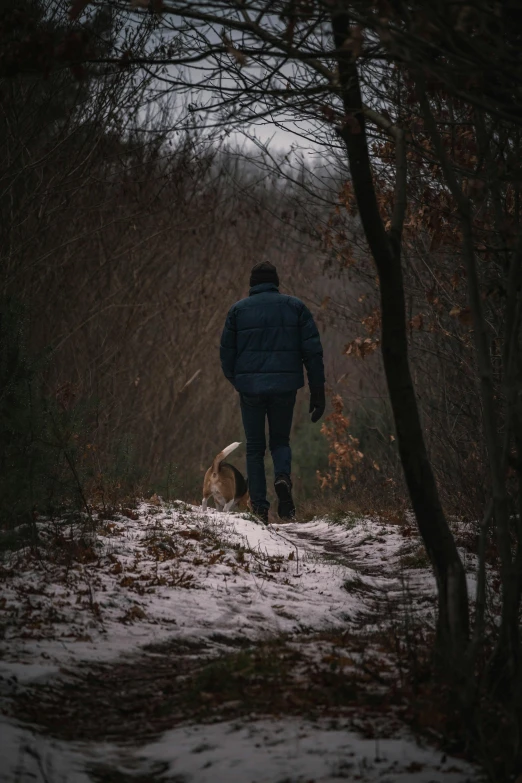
<point x="464" y="315"/>
<point x="372" y="322"/>
<point x="361" y="347"/>
<point x="239" y="56"/>
<point x="344" y="452"/>
<point x="347" y="198"/>
<point x="328" y="113"/>
<point x="417" y="322"/>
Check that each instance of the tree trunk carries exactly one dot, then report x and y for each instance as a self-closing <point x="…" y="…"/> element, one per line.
<point x="453" y="618"/>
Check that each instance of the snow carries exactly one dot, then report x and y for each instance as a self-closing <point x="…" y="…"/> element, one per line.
<point x="178" y="573"/>
<point x="173" y="573"/>
<point x="261" y="751"/>
<point x="296" y="750"/>
<point x="26" y="757"/>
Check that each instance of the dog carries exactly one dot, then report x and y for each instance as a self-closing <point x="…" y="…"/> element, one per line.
<point x="225" y="483"/>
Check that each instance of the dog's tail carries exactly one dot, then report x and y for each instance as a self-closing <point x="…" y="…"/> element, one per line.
<point x="218" y="459"/>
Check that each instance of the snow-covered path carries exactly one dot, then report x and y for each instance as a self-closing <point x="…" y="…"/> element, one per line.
<point x="177" y="583"/>
<point x="174" y="573"/>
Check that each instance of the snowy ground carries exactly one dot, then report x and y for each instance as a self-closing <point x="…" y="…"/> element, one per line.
<point x="209" y="582"/>
<point x="262" y="751"/>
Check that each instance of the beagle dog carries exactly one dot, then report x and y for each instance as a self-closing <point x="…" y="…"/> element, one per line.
<point x="225" y="483"/>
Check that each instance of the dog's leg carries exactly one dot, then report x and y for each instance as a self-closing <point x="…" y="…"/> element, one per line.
<point x="204" y="504"/>
<point x="219" y="506"/>
<point x="230" y="505"/>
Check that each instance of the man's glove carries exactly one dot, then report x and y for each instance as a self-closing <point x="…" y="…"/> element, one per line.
<point x="317" y="402"/>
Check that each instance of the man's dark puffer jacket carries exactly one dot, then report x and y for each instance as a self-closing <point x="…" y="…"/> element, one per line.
<point x="267" y="338"/>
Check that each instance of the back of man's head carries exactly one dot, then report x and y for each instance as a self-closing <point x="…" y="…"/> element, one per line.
<point x="264" y="272"/>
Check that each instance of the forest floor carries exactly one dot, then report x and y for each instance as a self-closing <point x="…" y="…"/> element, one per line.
<point x="171" y="644"/>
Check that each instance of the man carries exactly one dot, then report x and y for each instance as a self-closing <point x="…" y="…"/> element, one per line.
<point x="266" y="340"/>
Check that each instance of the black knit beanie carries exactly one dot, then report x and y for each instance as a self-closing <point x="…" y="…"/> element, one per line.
<point x="264" y="272"/>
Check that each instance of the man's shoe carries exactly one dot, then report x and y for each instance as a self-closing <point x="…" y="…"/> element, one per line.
<point x="283" y="488"/>
<point x="262" y="514"/>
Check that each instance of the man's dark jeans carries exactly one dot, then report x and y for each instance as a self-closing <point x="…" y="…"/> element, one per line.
<point x="279" y="409"/>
